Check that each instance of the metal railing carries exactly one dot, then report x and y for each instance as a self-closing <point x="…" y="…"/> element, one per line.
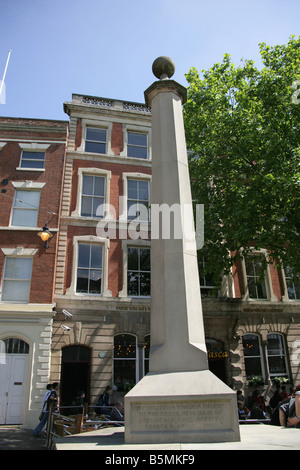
<point x="86" y="419"/>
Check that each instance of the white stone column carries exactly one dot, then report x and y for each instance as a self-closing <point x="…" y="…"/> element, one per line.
<point x="179" y="400"/>
<point x="177" y="333"/>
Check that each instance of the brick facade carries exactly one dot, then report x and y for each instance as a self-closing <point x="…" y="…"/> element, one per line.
<point x="98" y="320"/>
<point x="30" y="322"/>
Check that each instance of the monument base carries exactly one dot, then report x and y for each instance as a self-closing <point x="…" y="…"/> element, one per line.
<point x="193" y="406"/>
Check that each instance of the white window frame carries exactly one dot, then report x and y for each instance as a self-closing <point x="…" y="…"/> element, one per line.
<point x="33" y="147"/>
<point x="123" y="209"/>
<point x="285" y="297"/>
<point x="125" y="245"/>
<point x="204" y="287"/>
<point x="137" y="130"/>
<point x="269" y="288"/>
<point x="25" y="186"/>
<point x="96" y="124"/>
<point x="139" y="146"/>
<point x="89" y="240"/>
<point x="261" y="355"/>
<point x="146" y="359"/>
<point x="286" y="373"/>
<point x="104" y="142"/>
<point x="93" y="172"/>
<point x="18" y="252"/>
<point x="137" y="377"/>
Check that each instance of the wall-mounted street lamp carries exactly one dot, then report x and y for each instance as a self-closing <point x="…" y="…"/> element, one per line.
<point x="45" y="235"/>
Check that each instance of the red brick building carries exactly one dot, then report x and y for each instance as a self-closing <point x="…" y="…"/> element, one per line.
<point x="103" y="279"/>
<point x="78" y="312"/>
<point x="31" y="173"/>
<point x="251" y="326"/>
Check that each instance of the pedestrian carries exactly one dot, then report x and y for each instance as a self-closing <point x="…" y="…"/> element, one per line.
<point x="289" y="412"/>
<point x="78" y="403"/>
<point x="53" y="398"/>
<point x="104" y="399"/>
<point x="44" y="413"/>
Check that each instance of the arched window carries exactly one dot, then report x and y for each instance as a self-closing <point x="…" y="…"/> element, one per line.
<point x="217" y="357"/>
<point x="252" y="355"/>
<point x="15" y="346"/>
<point x="125" y="359"/>
<point x="276" y="355"/>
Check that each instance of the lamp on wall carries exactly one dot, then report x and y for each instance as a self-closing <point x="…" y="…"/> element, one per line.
<point x="45" y="235"/>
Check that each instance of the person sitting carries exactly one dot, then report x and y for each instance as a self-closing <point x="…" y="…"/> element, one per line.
<point x="256" y="412"/>
<point x="242" y="410"/>
<point x="117" y="412"/>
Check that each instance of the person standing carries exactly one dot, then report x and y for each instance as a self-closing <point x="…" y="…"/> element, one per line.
<point x="44" y="413"/>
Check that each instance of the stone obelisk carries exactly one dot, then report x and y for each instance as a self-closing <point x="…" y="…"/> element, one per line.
<point x="179" y="400"/>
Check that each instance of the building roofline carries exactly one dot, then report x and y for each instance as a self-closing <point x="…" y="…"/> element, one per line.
<point x="97" y="102"/>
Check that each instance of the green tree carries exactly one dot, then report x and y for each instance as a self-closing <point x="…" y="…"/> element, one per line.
<point x="243" y="131"/>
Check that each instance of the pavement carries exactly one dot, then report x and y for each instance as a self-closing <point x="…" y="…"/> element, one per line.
<point x="253" y="437"/>
<point x="13" y="437"/>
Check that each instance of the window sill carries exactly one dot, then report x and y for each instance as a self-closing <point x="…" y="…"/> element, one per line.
<point x="109" y="157"/>
<point x="30" y="169"/>
<point x="28" y="229"/>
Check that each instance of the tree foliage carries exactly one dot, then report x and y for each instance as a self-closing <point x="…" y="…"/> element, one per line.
<point x="243" y="131"/>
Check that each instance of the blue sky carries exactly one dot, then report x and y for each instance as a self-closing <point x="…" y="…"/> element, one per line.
<point x="106" y="47"/>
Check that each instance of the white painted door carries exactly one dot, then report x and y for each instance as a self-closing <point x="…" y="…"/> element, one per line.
<point x="13" y="373"/>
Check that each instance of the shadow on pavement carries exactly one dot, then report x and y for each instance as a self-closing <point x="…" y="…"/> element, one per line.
<point x="14" y="438"/>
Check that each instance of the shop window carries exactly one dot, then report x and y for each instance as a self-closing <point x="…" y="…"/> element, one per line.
<point x="125" y="361"/>
<point x="252" y="355"/>
<point x="276" y="355"/>
<point x="146" y="351"/>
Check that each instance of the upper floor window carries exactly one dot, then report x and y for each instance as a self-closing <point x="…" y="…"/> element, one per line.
<point x="206" y="281"/>
<point x="138" y="200"/>
<point x="255" y="278"/>
<point x="16" y="279"/>
<point x="137" y="145"/>
<point x="33" y="160"/>
<point x="92" y="196"/>
<point x="25" y="208"/>
<point x="95" y="140"/>
<point x="292" y="284"/>
<point x="89" y="269"/>
<point x="138" y="272"/>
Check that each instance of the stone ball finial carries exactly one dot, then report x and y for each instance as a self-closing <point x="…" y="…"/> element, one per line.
<point x="163" y="67"/>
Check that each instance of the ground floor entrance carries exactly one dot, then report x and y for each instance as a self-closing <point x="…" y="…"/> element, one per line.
<point x="13" y="376"/>
<point x="75" y="373"/>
